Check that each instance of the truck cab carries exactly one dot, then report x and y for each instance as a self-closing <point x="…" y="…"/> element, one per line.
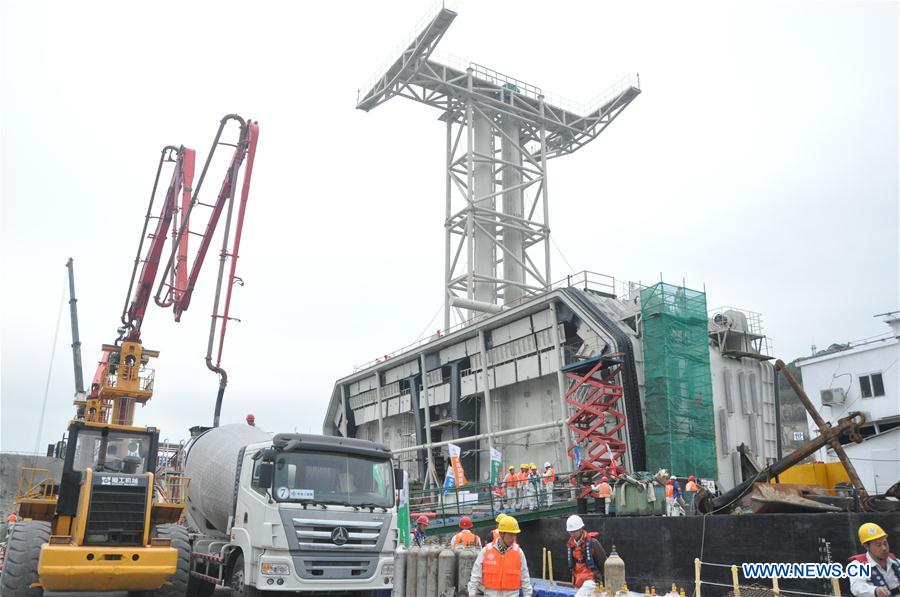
<point x="311" y="513"/>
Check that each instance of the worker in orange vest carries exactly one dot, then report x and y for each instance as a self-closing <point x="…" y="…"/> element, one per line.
<point x="524" y="487"/>
<point x="691" y="484"/>
<point x="601" y="492"/>
<point x="549" y="479"/>
<point x="465" y="538"/>
<point x="670" y="495"/>
<point x="585" y="555"/>
<point x="511" y="481"/>
<point x="500" y="570"/>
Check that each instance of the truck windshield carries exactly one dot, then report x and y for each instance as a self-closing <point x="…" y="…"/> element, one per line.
<point x="331" y="478"/>
<point x="111" y="452"/>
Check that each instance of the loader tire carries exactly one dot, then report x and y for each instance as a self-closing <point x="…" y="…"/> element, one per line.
<point x="177" y="584"/>
<point x="23" y="551"/>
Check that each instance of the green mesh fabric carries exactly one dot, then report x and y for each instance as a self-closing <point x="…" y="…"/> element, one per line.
<point x="679" y="420"/>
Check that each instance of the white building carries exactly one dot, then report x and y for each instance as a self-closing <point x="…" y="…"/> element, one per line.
<point x="861" y="376"/>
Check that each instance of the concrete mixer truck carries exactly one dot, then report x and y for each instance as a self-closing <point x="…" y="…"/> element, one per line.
<point x="290" y="512"/>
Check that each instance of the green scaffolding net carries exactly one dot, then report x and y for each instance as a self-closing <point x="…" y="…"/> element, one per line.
<point x="679" y="421"/>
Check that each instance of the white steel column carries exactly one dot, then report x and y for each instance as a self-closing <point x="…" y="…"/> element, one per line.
<point x="448" y="268"/>
<point x="424" y="403"/>
<point x="565" y="433"/>
<point x="487" y="389"/>
<point x="483" y="206"/>
<point x="380" y="410"/>
<point x="512" y="240"/>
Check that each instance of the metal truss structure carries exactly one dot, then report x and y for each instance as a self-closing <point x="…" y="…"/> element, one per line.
<point x="500" y="133"/>
<point x="598" y="421"/>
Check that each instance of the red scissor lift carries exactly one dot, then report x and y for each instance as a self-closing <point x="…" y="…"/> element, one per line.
<point x="597" y="422"/>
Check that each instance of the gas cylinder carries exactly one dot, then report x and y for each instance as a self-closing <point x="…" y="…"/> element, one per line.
<point x="421" y="585"/>
<point x="432" y="578"/>
<point x="446" y="573"/>
<point x="399" y="572"/>
<point x="412" y="575"/>
<point x="465" y="560"/>
<point x="614" y="570"/>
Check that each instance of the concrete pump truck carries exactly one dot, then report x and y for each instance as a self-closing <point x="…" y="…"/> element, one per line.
<point x="111" y="523"/>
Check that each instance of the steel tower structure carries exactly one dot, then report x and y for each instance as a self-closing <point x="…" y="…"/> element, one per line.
<point x="500" y="133"/>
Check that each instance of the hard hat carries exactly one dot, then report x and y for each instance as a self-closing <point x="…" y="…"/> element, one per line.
<point x="12" y="518"/>
<point x="465" y="522"/>
<point x="524" y="465"/>
<point x="508" y="525"/>
<point x="512" y="468"/>
<point x="422" y="519"/>
<point x="546" y="465"/>
<point x="574" y="523"/>
<point x="870" y="531"/>
<point x="250" y="418"/>
<point x="533" y="465"/>
<point x="604" y="479"/>
<point x="500" y="517"/>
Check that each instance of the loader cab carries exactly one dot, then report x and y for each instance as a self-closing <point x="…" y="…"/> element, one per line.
<point x="110" y="449"/>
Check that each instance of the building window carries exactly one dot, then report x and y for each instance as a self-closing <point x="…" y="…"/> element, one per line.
<point x="871" y="385"/>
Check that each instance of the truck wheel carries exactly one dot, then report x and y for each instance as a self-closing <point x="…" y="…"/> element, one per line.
<point x="23" y="550"/>
<point x="177" y="584"/>
<point x="237" y="583"/>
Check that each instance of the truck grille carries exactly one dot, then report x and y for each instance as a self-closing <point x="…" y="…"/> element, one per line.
<point x="343" y="568"/>
<point x="315" y="533"/>
<point x="116" y="515"/>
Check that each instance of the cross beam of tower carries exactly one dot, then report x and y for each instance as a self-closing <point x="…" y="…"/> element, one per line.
<point x="500" y="133"/>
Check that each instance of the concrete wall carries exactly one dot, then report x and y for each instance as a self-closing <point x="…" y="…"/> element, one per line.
<point x="10" y="465"/>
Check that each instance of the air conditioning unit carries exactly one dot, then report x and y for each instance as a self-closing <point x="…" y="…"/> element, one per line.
<point x="832" y="396"/>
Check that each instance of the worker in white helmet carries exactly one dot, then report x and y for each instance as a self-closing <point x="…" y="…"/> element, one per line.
<point x="549" y="478"/>
<point x="585" y="556"/>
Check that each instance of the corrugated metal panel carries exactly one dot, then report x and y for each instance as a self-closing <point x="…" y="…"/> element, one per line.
<point x="541" y="320"/>
<point x="505" y="374"/>
<point x="549" y="362"/>
<point x="452" y="353"/>
<point x="729" y="390"/>
<point x="724" y="441"/>
<point x="754" y="435"/>
<point x="528" y="368"/>
<point x="746" y="409"/>
<point x="468" y="385"/>
<point x="754" y="394"/>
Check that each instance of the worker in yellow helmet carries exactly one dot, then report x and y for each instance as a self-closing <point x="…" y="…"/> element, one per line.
<point x="885" y="578"/>
<point x="500" y="570"/>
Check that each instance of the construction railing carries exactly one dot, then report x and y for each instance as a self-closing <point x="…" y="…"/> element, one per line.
<point x="173" y="489"/>
<point x="35" y="484"/>
<point x="483" y="501"/>
<point x="751" y="587"/>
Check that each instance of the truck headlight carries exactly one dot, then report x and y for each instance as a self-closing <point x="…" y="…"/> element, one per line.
<point x="387" y="570"/>
<point x="274" y="569"/>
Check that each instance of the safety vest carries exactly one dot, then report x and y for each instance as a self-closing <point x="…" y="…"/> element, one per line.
<point x="511" y="479"/>
<point x="670" y="491"/>
<point x="581" y="559"/>
<point x="604" y="490"/>
<point x="523" y="479"/>
<point x="691" y="486"/>
<point x="501" y="571"/>
<point x="549" y="475"/>
<point x="877" y="578"/>
<point x="465" y="538"/>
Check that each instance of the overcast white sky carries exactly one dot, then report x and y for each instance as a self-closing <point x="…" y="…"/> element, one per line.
<point x="761" y="160"/>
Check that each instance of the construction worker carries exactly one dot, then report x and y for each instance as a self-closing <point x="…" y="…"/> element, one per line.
<point x="601" y="492"/>
<point x="251" y="420"/>
<point x="421" y="528"/>
<point x="549" y="479"/>
<point x="885" y="578"/>
<point x="691" y="484"/>
<point x="511" y="481"/>
<point x="524" y="487"/>
<point x="500" y="570"/>
<point x="465" y="538"/>
<point x="534" y="480"/>
<point x="585" y="556"/>
<point x="670" y="495"/>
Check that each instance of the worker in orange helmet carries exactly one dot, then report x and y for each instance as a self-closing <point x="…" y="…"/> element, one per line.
<point x="500" y="570"/>
<point x="251" y="420"/>
<point x="691" y="484"/>
<point x="13" y="518"/>
<point x="421" y="528"/>
<point x="465" y="538"/>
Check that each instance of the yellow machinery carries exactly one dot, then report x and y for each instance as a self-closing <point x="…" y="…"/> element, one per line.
<point x="109" y="524"/>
